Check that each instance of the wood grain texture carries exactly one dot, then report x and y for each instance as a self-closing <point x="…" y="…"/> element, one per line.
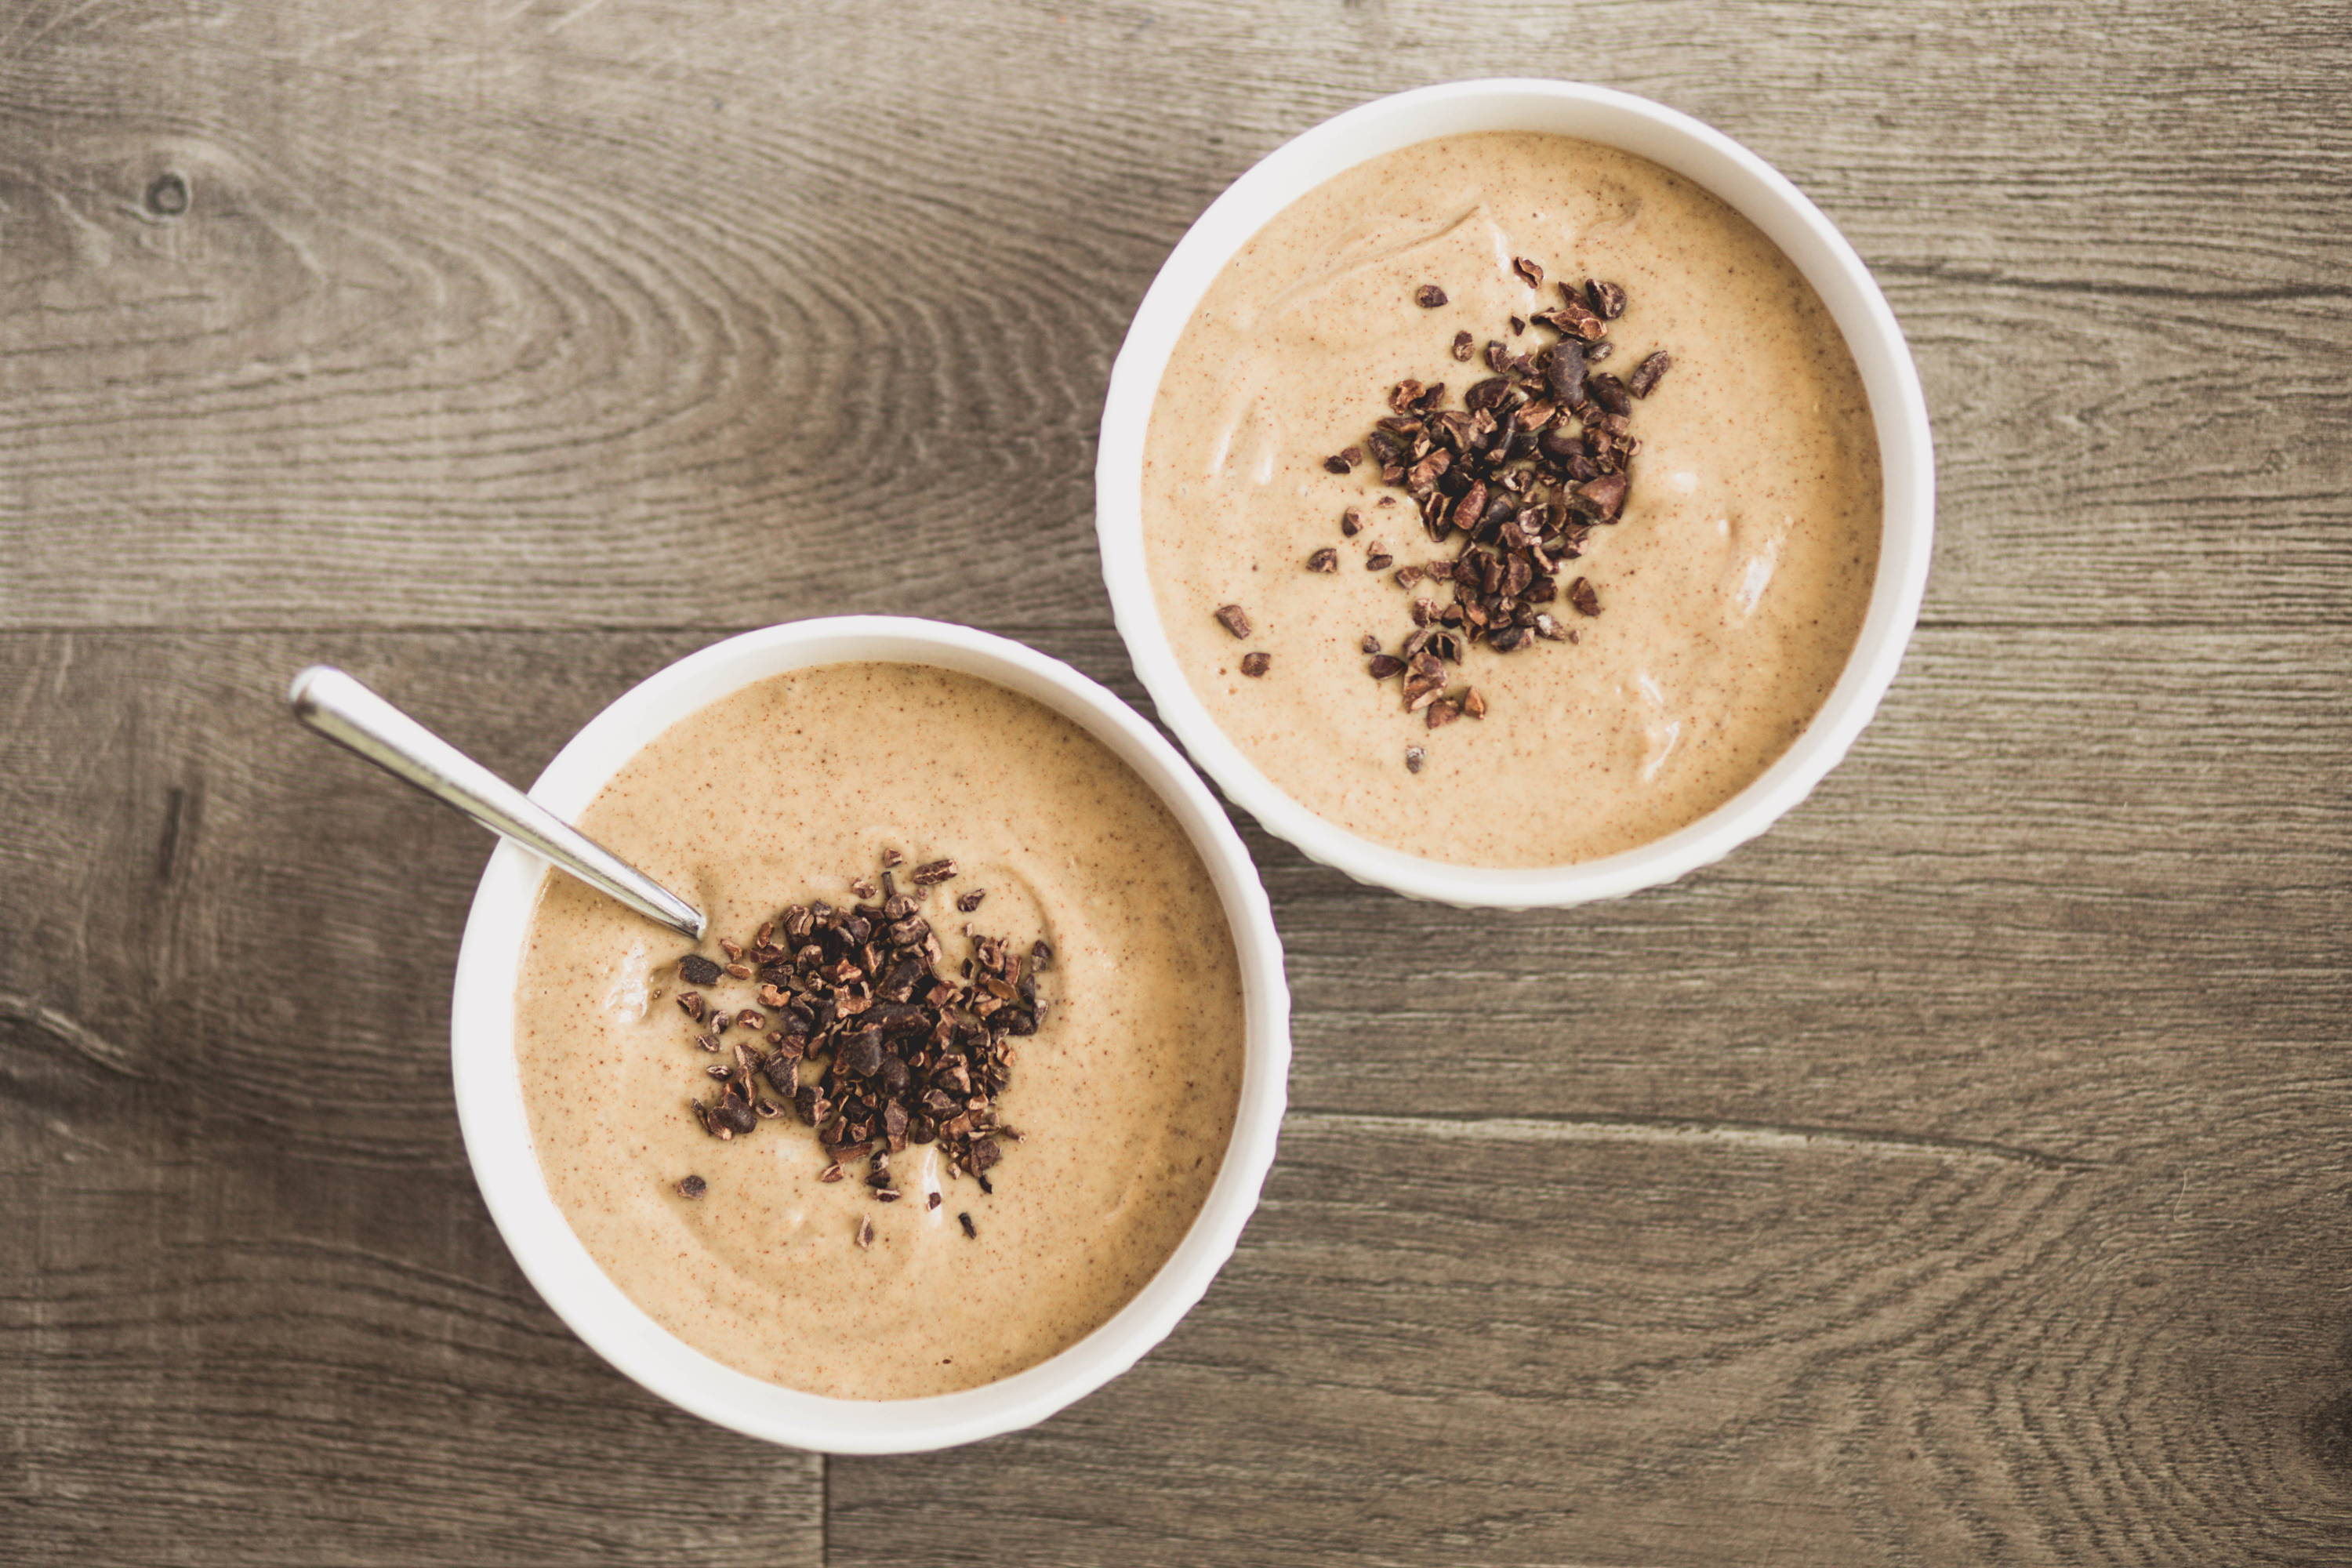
<point x="1956" y="1175"/>
<point x="251" y="1308"/>
<point x="537" y="314"/>
<point x="1536" y="1343"/>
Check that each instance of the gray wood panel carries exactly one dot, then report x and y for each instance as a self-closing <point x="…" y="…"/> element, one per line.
<point x="648" y="312"/>
<point x="1535" y="1344"/>
<point x="1955" y="1176"/>
<point x="251" y="1308"/>
<point x="1951" y="1140"/>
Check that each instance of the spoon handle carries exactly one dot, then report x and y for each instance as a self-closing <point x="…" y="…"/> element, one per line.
<point x="337" y="707"/>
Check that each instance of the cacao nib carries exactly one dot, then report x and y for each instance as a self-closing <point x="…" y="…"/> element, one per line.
<point x="1511" y="482"/>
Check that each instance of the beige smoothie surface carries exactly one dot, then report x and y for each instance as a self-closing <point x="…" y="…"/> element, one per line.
<point x="1731" y="591"/>
<point x="784" y="792"/>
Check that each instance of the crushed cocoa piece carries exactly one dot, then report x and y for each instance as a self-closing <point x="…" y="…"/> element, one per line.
<point x="1429" y="297"/>
<point x="1324" y="560"/>
<point x="1512" y="481"/>
<point x="875" y="1047"/>
<point x="1572" y="317"/>
<point x="1235" y="620"/>
<point x="1254" y="665"/>
<point x="1604" y="497"/>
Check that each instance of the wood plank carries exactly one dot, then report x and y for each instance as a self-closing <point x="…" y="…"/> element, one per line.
<point x="1533" y="1344"/>
<point x="2059" y="858"/>
<point x="1950" y="1176"/>
<point x="2109" y="865"/>
<point x="213" y="1351"/>
<point x="1954" y="1176"/>
<point x="661" y="314"/>
<point x="251" y="1308"/>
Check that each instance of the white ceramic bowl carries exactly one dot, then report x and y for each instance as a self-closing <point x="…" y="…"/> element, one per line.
<point x="1664" y="137"/>
<point x="497" y="1132"/>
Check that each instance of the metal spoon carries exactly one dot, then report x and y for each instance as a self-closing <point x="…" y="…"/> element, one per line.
<point x="347" y="713"/>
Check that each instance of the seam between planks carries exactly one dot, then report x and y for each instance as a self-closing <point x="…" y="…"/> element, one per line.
<point x="1688" y="1132"/>
<point x="2307" y="626"/>
<point x="2110" y="289"/>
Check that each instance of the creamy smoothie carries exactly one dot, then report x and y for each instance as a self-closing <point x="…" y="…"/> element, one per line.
<point x="1728" y="595"/>
<point x="788" y="793"/>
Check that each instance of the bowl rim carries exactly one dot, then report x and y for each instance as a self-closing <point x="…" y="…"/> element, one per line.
<point x="1719" y="164"/>
<point x="496" y="1127"/>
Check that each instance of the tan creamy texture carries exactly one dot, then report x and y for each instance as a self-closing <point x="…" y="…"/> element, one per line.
<point x="1731" y="593"/>
<point x="785" y="791"/>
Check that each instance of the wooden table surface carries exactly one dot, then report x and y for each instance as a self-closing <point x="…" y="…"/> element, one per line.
<point x="1962" y="1173"/>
